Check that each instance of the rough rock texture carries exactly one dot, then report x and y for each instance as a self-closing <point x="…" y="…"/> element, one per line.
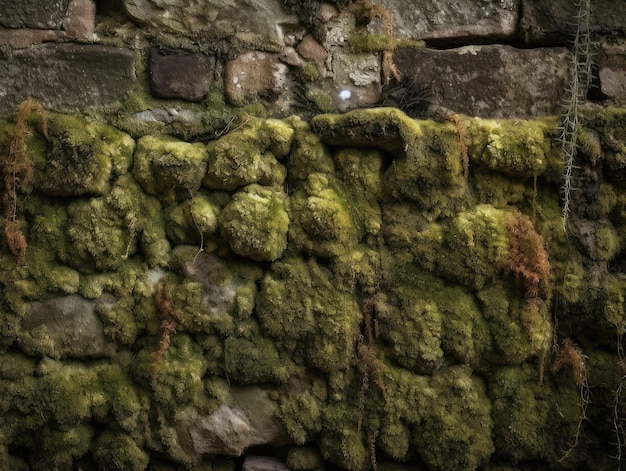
<point x="176" y="75"/>
<point x="246" y="418"/>
<point x="547" y="22"/>
<point x="490" y="81"/>
<point x="66" y="327"/>
<point x="611" y="61"/>
<point x="250" y="22"/>
<point x="96" y="75"/>
<point x="254" y="75"/>
<point x="453" y="20"/>
<point x="34" y="14"/>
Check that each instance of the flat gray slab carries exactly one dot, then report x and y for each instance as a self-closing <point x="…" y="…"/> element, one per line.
<point x="66" y="77"/>
<point x="489" y="81"/>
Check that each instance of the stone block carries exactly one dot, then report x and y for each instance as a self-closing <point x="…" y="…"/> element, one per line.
<point x="34" y="14"/>
<point x="68" y="326"/>
<point x="23" y="38"/>
<point x="248" y="21"/>
<point x="66" y="77"/>
<point x="611" y="61"/>
<point x="452" y="19"/>
<point x="254" y="75"/>
<point x="187" y="76"/>
<point x="547" y="22"/>
<point x="489" y="81"/>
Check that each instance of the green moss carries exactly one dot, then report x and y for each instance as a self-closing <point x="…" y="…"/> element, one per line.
<point x="473" y="250"/>
<point x="527" y="424"/>
<point x="607" y="243"/>
<point x="310" y="318"/>
<point x="614" y="305"/>
<point x="322" y="218"/>
<point x="520" y="328"/>
<point x="82" y="157"/>
<point x="515" y="148"/>
<point x="98" y="235"/>
<point x="308" y="154"/>
<point x="310" y="72"/>
<point x="304" y="458"/>
<point x="114" y="450"/>
<point x="248" y="155"/>
<point x="250" y="358"/>
<point x="301" y="406"/>
<point x="255" y="223"/>
<point x="456" y="430"/>
<point x="15" y="365"/>
<point x="59" y="449"/>
<point x="496" y="189"/>
<point x="177" y="380"/>
<point x="193" y="220"/>
<point x="169" y="168"/>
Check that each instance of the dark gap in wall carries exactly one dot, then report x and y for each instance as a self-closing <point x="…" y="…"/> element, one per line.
<point x="106" y="7"/>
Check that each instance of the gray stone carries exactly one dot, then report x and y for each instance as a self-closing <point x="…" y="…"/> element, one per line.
<point x="251" y="22"/>
<point x="547" y="22"/>
<point x="357" y="80"/>
<point x="66" y="326"/>
<point x="34" y="14"/>
<point x="187" y="76"/>
<point x="451" y="19"/>
<point x="264" y="463"/>
<point x="82" y="19"/>
<point x="254" y="75"/>
<point x="611" y="61"/>
<point x="489" y="81"/>
<point x="247" y="418"/>
<point x="66" y="77"/>
<point x="23" y="38"/>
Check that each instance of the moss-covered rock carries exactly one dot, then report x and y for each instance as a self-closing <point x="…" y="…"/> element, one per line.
<point x="255" y="223"/>
<point x="323" y="222"/>
<point x="82" y="157"/>
<point x="429" y="164"/>
<point x="513" y="148"/>
<point x="249" y="155"/>
<point x="472" y="250"/>
<point x="114" y="450"/>
<point x="457" y="426"/>
<point x="169" y="168"/>
<point x="309" y="317"/>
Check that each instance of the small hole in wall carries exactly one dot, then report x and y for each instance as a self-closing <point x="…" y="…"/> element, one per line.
<point x="106" y="7"/>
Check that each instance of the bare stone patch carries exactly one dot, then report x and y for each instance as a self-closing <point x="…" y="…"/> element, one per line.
<point x="187" y="76"/>
<point x="489" y="81"/>
<point x="66" y="77"/>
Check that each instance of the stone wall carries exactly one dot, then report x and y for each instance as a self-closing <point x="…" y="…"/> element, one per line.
<point x="153" y="63"/>
<point x="304" y="235"/>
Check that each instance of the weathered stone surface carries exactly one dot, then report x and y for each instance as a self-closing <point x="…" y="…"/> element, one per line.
<point x="22" y="38"/>
<point x="489" y="81"/>
<point x="451" y="19"/>
<point x="66" y="77"/>
<point x="254" y="75"/>
<point x="187" y="76"/>
<point x="82" y="19"/>
<point x="247" y="418"/>
<point x="264" y="463"/>
<point x="250" y="22"/>
<point x="611" y="61"/>
<point x="67" y="327"/>
<point x="34" y="14"/>
<point x="547" y="22"/>
<point x="356" y="79"/>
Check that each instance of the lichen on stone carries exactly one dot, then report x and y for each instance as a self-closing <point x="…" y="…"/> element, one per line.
<point x="255" y="223"/>
<point x="249" y="154"/>
<point x="169" y="168"/>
